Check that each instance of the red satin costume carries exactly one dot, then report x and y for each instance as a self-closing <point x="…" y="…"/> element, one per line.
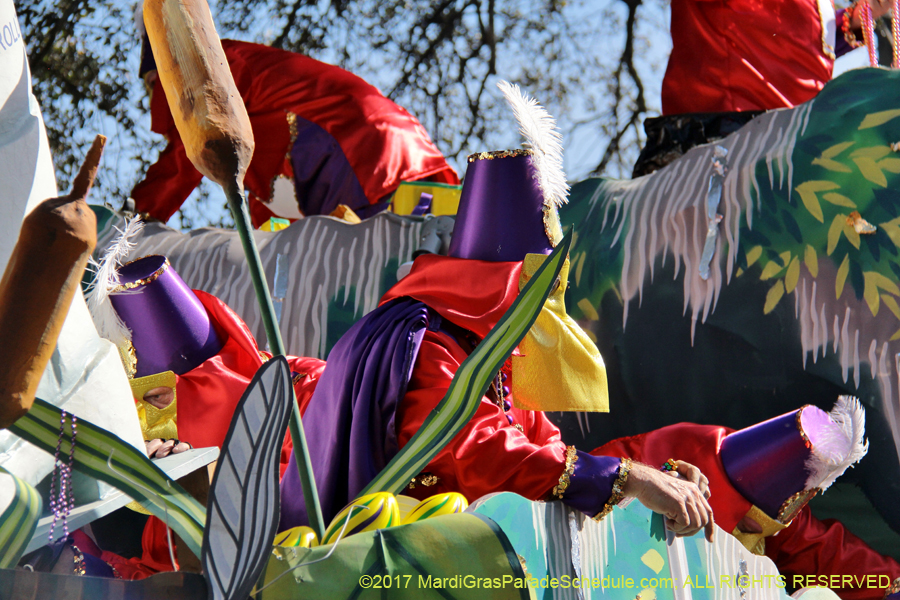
<point x="473" y="295"/>
<point x="807" y="547"/>
<point x="737" y="55"/>
<point x="383" y="143"/>
<point x="207" y="397"/>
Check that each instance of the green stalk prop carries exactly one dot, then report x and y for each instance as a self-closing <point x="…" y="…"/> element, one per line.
<point x="238" y="206"/>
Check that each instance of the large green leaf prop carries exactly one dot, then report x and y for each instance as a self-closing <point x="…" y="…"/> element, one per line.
<point x="472" y="379"/>
<point x="104" y="456"/>
<point x="18" y="521"/>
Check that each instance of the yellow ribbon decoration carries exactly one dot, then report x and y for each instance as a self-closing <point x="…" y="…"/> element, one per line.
<point x="756" y="542"/>
<point x="560" y="368"/>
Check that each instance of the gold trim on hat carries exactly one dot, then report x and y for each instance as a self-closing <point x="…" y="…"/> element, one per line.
<point x="499" y="154"/>
<point x="794" y="504"/>
<point x="146" y="280"/>
<point x="803" y="435"/>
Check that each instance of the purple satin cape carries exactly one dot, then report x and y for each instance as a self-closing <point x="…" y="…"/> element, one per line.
<point x="349" y="425"/>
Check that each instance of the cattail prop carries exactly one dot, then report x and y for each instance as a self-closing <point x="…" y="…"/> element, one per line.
<point x="41" y="278"/>
<point x="213" y="123"/>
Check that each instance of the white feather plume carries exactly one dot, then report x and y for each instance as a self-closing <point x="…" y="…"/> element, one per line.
<point x="544" y="139"/>
<point x="839" y="447"/>
<point x="106" y="278"/>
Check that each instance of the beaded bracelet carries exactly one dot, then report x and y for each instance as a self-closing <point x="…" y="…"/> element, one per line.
<point x="669" y="465"/>
<point x="847" y="29"/>
<point x="563" y="485"/>
<point x="618" y="490"/>
<point x="893" y="588"/>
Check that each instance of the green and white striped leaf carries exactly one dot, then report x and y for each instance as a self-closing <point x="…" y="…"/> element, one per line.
<point x="106" y="457"/>
<point x="243" y="502"/>
<point x="19" y="518"/>
<point x="472" y="379"/>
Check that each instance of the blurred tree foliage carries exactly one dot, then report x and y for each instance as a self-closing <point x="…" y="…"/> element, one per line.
<point x="583" y="59"/>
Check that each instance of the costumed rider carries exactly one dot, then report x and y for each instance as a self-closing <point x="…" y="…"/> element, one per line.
<point x="761" y="479"/>
<point x="190" y="359"/>
<point x="388" y="373"/>
<point x="324" y="138"/>
<point x="732" y="60"/>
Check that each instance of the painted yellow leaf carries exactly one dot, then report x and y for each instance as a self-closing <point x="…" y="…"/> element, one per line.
<point x="839" y="199"/>
<point x="884" y="283"/>
<point x="892" y="228"/>
<point x="836" y="149"/>
<point x="879" y="118"/>
<point x="811" y="202"/>
<point x="875" y="152"/>
<point x="771" y="269"/>
<point x="851" y="233"/>
<point x="773" y="297"/>
<point x="818" y="185"/>
<point x="739" y="272"/>
<point x="891" y="304"/>
<point x="753" y="255"/>
<point x="889" y="164"/>
<point x="896" y="336"/>
<point x="793" y="275"/>
<point x="834" y="232"/>
<point x="870" y="293"/>
<point x="811" y="260"/>
<point x="841" y="278"/>
<point x="588" y="310"/>
<point x="580" y="266"/>
<point x="870" y="171"/>
<point x="785" y="257"/>
<point x="831" y="165"/>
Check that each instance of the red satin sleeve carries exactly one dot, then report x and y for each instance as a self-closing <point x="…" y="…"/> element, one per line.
<point x="172" y="178"/>
<point x="488" y="455"/>
<point x="813" y="547"/>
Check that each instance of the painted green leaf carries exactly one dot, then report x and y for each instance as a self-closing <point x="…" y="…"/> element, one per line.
<point x="104" y="456"/>
<point x="883" y="282"/>
<point x="472" y="379"/>
<point x="19" y="520"/>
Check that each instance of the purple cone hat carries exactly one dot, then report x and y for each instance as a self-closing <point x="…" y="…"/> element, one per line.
<point x="509" y="201"/>
<point x="501" y="209"/>
<point x="780" y="464"/>
<point x="171" y="330"/>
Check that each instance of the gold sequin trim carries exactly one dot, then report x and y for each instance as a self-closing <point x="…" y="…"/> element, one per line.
<point x="128" y="358"/>
<point x="618" y="489"/>
<point x="424" y="479"/>
<point x="146" y="280"/>
<point x="296" y="378"/>
<point x="794" y="504"/>
<point x="803" y="435"/>
<point x="499" y="154"/>
<point x="571" y="458"/>
<point x="292" y="127"/>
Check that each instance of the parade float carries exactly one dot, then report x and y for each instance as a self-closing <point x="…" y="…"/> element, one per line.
<point x="784" y="227"/>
